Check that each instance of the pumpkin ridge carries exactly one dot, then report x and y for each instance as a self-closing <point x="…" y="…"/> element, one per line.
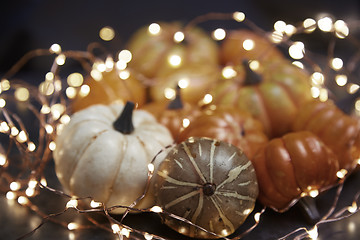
<point x="288" y="93"/>
<point x="263" y="106"/>
<point x="92" y="140"/>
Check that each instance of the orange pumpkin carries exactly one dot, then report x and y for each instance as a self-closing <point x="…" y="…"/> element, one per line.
<point x="293" y="166"/>
<point x="173" y="113"/>
<point x="336" y="129"/>
<point x="272" y="94"/>
<point x="111" y="88"/>
<point x="166" y="59"/>
<point x="229" y="125"/>
<point x="245" y="44"/>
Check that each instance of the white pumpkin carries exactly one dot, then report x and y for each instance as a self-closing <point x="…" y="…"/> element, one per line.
<point x="93" y="159"/>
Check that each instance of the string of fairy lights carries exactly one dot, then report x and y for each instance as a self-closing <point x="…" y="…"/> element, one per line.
<point x="48" y="103"/>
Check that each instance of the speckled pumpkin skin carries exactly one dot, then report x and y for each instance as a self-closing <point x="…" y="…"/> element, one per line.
<point x="211" y="183"/>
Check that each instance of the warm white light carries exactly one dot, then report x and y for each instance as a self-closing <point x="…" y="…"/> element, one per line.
<point x="314" y="193"/>
<point x="298" y="64"/>
<point x="47" y="87"/>
<point x="352" y="88"/>
<point x="2" y="159"/>
<point x="32" y="183"/>
<point x="55" y="48"/>
<point x="297" y="50"/>
<point x="52" y="145"/>
<point x="154" y="29"/>
<point x="228" y="72"/>
<point x="23" y="200"/>
<point x="248" y="44"/>
<point x="257" y="217"/>
<point x="60" y="60"/>
<point x="2" y="103"/>
<point x="183" y="83"/>
<point x="148" y="236"/>
<point x="30" y="192"/>
<point x="125" y="232"/>
<point x="4" y="85"/>
<point x="49" y="76"/>
<point x="70" y="92"/>
<point x="315" y="92"/>
<point x="107" y="33"/>
<point x="207" y="98"/>
<point x="325" y="24"/>
<point x="151" y="167"/>
<point x="341" y="80"/>
<point x="239" y="16"/>
<point x="169" y="93"/>
<point x="185" y="122"/>
<point x="125" y="74"/>
<point x="109" y="63"/>
<point x="15" y="186"/>
<point x="357" y="108"/>
<point x="14" y="131"/>
<point x="341" y="29"/>
<point x="313" y="233"/>
<point x="280" y="26"/>
<point x="353" y="208"/>
<point x="95" y="204"/>
<point x="290" y="29"/>
<point x="341" y="173"/>
<point x="336" y="63"/>
<point x="73" y="203"/>
<point x="22" y="137"/>
<point x="179" y="37"/>
<point x="156" y="209"/>
<point x="10" y="195"/>
<point x="309" y="25"/>
<point x="219" y="34"/>
<point x="49" y="129"/>
<point x="317" y="78"/>
<point x="72" y="226"/>
<point x="324" y="95"/>
<point x="22" y="94"/>
<point x="116" y="228"/>
<point x="277" y="37"/>
<point x="254" y="65"/>
<point x="65" y="119"/>
<point x="174" y="60"/>
<point x="84" y="90"/>
<point x="125" y="55"/>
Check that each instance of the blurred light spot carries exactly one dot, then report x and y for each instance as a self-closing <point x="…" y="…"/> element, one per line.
<point x="325" y="24"/>
<point x="125" y="74"/>
<point x="297" y="50"/>
<point x="154" y="29"/>
<point x="169" y="93"/>
<point x="183" y="83"/>
<point x="55" y="48"/>
<point x="280" y="26"/>
<point x="107" y="33"/>
<point x="219" y="34"/>
<point x="228" y="72"/>
<point x="125" y="55"/>
<point x="309" y="25"/>
<point x="248" y="44"/>
<point x="352" y="88"/>
<point x="336" y="63"/>
<point x="22" y="94"/>
<point x="60" y="60"/>
<point x="317" y="78"/>
<point x="75" y="79"/>
<point x="341" y="80"/>
<point x="341" y="29"/>
<point x="298" y="64"/>
<point x="239" y="16"/>
<point x="179" y="37"/>
<point x="174" y="60"/>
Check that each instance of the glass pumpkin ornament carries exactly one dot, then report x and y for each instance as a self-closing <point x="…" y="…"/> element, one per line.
<point x="111" y="88"/>
<point x="272" y="94"/>
<point x="337" y="130"/>
<point x="210" y="183"/>
<point x="230" y="125"/>
<point x="293" y="166"/>
<point x="104" y="152"/>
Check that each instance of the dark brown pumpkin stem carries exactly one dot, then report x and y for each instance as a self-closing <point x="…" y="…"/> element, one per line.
<point x="251" y="77"/>
<point x="124" y="122"/>
<point x="177" y="102"/>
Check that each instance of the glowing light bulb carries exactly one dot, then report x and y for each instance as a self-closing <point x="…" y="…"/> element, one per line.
<point x="313" y="233"/>
<point x="154" y="29"/>
<point x="151" y="167"/>
<point x="219" y="34"/>
<point x="22" y="137"/>
<point x="254" y="65"/>
<point x="73" y="203"/>
<point x="72" y="226"/>
<point x="115" y="228"/>
<point x="341" y="173"/>
<point x="336" y="63"/>
<point x="15" y="186"/>
<point x="96" y="75"/>
<point x="341" y="29"/>
<point x="353" y="208"/>
<point x="14" y="131"/>
<point x="207" y="98"/>
<point x="49" y="76"/>
<point x="55" y="48"/>
<point x="357" y="108"/>
<point x="353" y="88"/>
<point x="179" y="37"/>
<point x="314" y="193"/>
<point x="185" y="122"/>
<point x="317" y="78"/>
<point x="183" y="83"/>
<point x="239" y="16"/>
<point x="257" y="217"/>
<point x="298" y="64"/>
<point x="148" y="236"/>
<point x="107" y="33"/>
<point x="325" y="24"/>
<point x="341" y="80"/>
<point x="297" y="50"/>
<point x="315" y="92"/>
<point x="309" y="25"/>
<point x="47" y="88"/>
<point x="125" y="232"/>
<point x="2" y="103"/>
<point x="280" y="26"/>
<point x="248" y="44"/>
<point x="70" y="92"/>
<point x="52" y="145"/>
<point x="95" y="204"/>
<point x="22" y="94"/>
<point x="174" y="60"/>
<point x="228" y="72"/>
<point x="169" y="93"/>
<point x="125" y="74"/>
<point x="156" y="209"/>
<point x="60" y="60"/>
<point x="277" y="37"/>
<point x="32" y="183"/>
<point x="10" y="195"/>
<point x="125" y="55"/>
<point x="290" y="29"/>
<point x="84" y="90"/>
<point x="2" y="159"/>
<point x="4" y="85"/>
<point x="23" y="200"/>
<point x="30" y="192"/>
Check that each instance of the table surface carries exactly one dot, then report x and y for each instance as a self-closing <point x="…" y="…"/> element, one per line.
<point x="16" y="220"/>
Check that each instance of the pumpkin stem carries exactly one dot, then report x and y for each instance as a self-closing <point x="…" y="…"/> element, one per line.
<point x="308" y="206"/>
<point x="124" y="123"/>
<point x="177" y="102"/>
<point x="251" y="77"/>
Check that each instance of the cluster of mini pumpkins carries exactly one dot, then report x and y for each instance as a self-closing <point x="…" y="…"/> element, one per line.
<point x="242" y="117"/>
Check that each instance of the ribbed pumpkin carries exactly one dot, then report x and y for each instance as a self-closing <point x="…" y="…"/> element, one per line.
<point x="272" y="94"/>
<point x="104" y="153"/>
<point x="337" y="130"/>
<point x="246" y="44"/>
<point x="165" y="60"/>
<point x="230" y="125"/>
<point x="210" y="183"/>
<point x="111" y="88"/>
<point x="291" y="167"/>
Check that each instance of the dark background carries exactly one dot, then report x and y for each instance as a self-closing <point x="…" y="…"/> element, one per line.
<point x="30" y="24"/>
